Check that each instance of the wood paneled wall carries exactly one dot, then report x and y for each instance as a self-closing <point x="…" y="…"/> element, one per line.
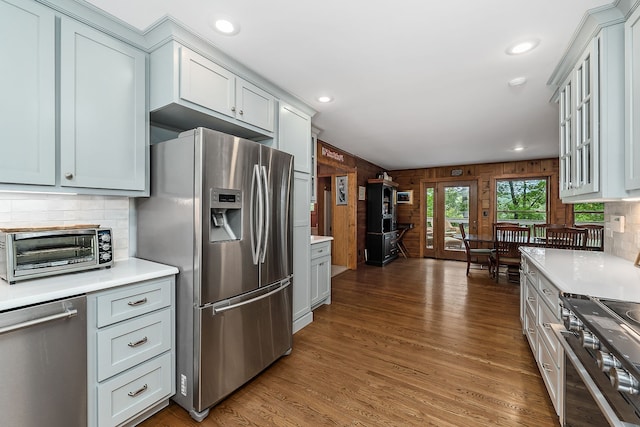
<point x="364" y="170"/>
<point x="486" y="176"/>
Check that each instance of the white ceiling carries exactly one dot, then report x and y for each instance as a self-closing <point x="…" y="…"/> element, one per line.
<point x="416" y="83"/>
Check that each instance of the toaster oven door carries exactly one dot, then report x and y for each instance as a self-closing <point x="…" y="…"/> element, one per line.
<point x="41" y="253"/>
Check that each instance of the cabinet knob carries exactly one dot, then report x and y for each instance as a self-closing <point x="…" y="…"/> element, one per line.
<point x="68" y="175"/>
<point x="241" y="112"/>
<point x="233" y="109"/>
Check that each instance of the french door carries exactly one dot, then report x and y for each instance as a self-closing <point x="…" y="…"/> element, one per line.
<point x="447" y="205"/>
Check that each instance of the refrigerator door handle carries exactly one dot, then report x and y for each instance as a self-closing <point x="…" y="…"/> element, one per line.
<point x="256" y="237"/>
<point x="222" y="309"/>
<point x="267" y="210"/>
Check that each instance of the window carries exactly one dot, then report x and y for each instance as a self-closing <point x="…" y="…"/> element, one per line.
<point x="588" y="213"/>
<point x="522" y="200"/>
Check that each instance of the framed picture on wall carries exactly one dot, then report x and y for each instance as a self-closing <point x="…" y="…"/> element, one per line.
<point x="404" y="197"/>
<point x="341" y="190"/>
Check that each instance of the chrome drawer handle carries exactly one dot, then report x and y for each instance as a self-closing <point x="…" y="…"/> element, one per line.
<point x="546" y="325"/>
<point x="136" y="303"/>
<point x="532" y="299"/>
<point x="546" y="367"/>
<point x="138" y="343"/>
<point x="546" y="291"/>
<point x="137" y="392"/>
<point x="531" y="330"/>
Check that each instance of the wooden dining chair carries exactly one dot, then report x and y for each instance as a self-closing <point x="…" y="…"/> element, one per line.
<point x="595" y="236"/>
<point x="477" y="254"/>
<point x="507" y="241"/>
<point x="566" y="238"/>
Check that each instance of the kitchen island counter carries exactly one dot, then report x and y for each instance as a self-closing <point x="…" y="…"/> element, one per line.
<point x="591" y="273"/>
<point x="123" y="272"/>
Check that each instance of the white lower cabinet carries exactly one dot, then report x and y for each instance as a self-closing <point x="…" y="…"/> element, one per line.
<point x="131" y="352"/>
<point x="541" y="307"/>
<point x="320" y="273"/>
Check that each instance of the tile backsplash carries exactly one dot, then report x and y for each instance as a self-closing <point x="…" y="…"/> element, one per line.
<point x="31" y="210"/>
<point x="626" y="244"/>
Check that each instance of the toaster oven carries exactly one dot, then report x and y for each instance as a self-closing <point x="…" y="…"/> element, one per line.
<point x="32" y="253"/>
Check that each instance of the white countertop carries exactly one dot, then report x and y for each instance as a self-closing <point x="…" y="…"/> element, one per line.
<point x="65" y="285"/>
<point x="595" y="274"/>
<point x="320" y="239"/>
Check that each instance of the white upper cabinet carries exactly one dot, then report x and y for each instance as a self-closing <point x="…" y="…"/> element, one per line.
<point x="213" y="96"/>
<point x="632" y="103"/>
<point x="294" y="136"/>
<point x="591" y="107"/>
<point x="27" y="84"/>
<point x="100" y="109"/>
<point x="103" y="125"/>
<point x="205" y="83"/>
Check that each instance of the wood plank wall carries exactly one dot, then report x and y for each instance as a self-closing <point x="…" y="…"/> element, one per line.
<point x="486" y="176"/>
<point x="331" y="165"/>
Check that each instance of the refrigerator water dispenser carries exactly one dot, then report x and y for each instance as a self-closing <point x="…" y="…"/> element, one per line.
<point x="226" y="215"/>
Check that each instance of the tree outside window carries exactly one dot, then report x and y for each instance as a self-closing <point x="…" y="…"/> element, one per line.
<point x="588" y="213"/>
<point x="521" y="200"/>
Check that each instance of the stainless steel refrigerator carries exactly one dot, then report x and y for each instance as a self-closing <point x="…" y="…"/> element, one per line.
<point x="220" y="210"/>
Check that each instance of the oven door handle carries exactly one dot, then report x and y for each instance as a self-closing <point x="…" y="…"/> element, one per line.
<point x="559" y="330"/>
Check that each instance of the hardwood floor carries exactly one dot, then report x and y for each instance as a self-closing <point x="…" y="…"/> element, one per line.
<point x="415" y="343"/>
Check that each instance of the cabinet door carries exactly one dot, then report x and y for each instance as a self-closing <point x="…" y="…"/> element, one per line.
<point x="632" y="101"/>
<point x="27" y="84"/>
<point x="566" y="138"/>
<point x="103" y="115"/>
<point x="254" y="106"/>
<point x="301" y="246"/>
<point x="315" y="280"/>
<point x="207" y="84"/>
<point x="324" y="278"/>
<point x="293" y="136"/>
<point x="585" y="142"/>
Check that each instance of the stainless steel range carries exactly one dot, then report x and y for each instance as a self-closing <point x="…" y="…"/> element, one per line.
<point x="602" y="366"/>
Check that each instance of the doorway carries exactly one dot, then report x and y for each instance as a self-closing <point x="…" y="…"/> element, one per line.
<point x="447" y="205"/>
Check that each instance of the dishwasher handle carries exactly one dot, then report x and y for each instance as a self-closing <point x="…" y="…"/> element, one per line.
<point x="67" y="313"/>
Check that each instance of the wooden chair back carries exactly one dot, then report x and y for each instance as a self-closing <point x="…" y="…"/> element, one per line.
<point x="509" y="238"/>
<point x="497" y="225"/>
<point x="595" y="236"/>
<point x="566" y="238"/>
<point x="540" y="230"/>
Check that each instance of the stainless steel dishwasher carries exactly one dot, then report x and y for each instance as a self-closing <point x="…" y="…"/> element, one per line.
<point x="43" y="364"/>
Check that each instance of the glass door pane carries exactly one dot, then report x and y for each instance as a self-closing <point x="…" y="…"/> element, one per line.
<point x="429" y="208"/>
<point x="449" y="204"/>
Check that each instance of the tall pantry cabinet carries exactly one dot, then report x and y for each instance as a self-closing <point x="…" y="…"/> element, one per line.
<point x="382" y="233"/>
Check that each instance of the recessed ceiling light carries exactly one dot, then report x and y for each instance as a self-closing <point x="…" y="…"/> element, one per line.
<point x="518" y="148"/>
<point x="324" y="99"/>
<point x="225" y="26"/>
<point x="518" y="81"/>
<point x="522" y="47"/>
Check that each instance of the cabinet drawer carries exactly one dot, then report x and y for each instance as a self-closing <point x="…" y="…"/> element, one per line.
<point x="320" y="249"/>
<point x="530" y="330"/>
<point x="551" y="374"/>
<point x="549" y="294"/>
<point x="531" y="296"/>
<point x="127" y="344"/>
<point x="545" y="319"/>
<point x="126" y="395"/>
<point x="133" y="301"/>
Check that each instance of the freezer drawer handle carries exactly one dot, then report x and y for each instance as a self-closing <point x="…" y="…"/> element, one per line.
<point x="137" y="303"/>
<point x="138" y="343"/>
<point x="137" y="392"/>
<point x="218" y="310"/>
<point x="29" y="323"/>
